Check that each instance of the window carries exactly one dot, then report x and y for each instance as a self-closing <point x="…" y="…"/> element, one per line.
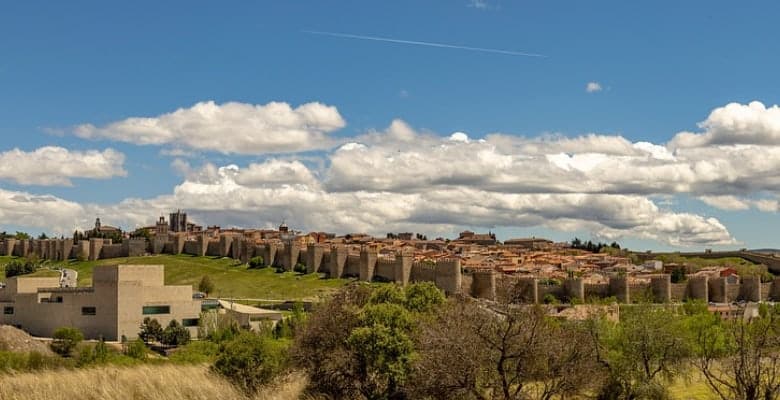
<point x="8" y="310"/>
<point x="152" y="310"/>
<point x="88" y="311"/>
<point x="190" y="322"/>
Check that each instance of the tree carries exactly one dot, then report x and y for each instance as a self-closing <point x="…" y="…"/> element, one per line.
<point x="423" y="297"/>
<point x="206" y="285"/>
<point x="740" y="359"/>
<point x="641" y="353"/>
<point x="250" y="361"/>
<point x="42" y="236"/>
<point x="151" y="330"/>
<point x="17" y="267"/>
<point x="175" y="334"/>
<point x="22" y="235"/>
<point x="383" y="349"/>
<point x="321" y="348"/>
<point x="65" y="340"/>
<point x="470" y="351"/>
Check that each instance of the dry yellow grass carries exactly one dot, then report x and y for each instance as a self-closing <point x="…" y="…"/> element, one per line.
<point x="160" y="382"/>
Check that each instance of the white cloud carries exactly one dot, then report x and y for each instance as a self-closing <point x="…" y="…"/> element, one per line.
<point x="216" y="196"/>
<point x="50" y="214"/>
<point x="731" y="203"/>
<point x="735" y="123"/>
<point x="403" y="178"/>
<point x="229" y="128"/>
<point x="52" y="165"/>
<point x="593" y="87"/>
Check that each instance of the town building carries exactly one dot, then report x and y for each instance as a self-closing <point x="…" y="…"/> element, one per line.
<point x="112" y="308"/>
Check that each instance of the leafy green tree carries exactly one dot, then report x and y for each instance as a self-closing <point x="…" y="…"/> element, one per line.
<point x="643" y="352"/>
<point x="151" y="330"/>
<point x="390" y="293"/>
<point x="175" y="334"/>
<point x="22" y="235"/>
<point x="250" y="361"/>
<point x="384" y="349"/>
<point x="65" y="339"/>
<point x="17" y="267"/>
<point x="423" y="297"/>
<point x="206" y="285"/>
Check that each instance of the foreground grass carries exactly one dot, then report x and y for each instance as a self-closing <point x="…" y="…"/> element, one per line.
<point x="230" y="279"/>
<point x="143" y="382"/>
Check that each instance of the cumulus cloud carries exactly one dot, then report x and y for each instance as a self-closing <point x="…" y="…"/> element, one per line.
<point x="402" y="178"/>
<point x="593" y="87"/>
<point x="216" y="195"/>
<point x="52" y="165"/>
<point x="735" y="123"/>
<point x="237" y="128"/>
<point x="49" y="213"/>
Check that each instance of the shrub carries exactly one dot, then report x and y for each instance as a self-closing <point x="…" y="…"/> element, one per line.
<point x="136" y="349"/>
<point x="300" y="268"/>
<point x="257" y="262"/>
<point x="65" y="340"/>
<point x="250" y="360"/>
<point x="16" y="268"/>
<point x="151" y="330"/>
<point x="175" y="334"/>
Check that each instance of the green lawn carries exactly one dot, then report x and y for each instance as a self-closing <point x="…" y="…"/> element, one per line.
<point x="230" y="279"/>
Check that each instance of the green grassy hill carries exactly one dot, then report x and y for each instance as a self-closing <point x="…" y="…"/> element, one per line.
<point x="230" y="278"/>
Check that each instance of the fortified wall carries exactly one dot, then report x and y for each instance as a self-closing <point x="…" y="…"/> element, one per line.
<point x="366" y="264"/>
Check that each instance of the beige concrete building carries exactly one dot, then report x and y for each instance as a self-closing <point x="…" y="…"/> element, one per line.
<point x="115" y="305"/>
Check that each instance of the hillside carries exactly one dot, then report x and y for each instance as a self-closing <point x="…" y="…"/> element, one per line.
<point x="230" y="278"/>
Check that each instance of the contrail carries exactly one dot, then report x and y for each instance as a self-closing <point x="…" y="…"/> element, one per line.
<point x="429" y="44"/>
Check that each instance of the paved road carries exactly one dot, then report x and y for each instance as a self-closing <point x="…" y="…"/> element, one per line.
<point x="68" y="278"/>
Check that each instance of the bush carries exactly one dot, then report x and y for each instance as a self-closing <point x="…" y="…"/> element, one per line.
<point x="151" y="330"/>
<point x="175" y="334"/>
<point x="136" y="349"/>
<point x="65" y="340"/>
<point x="250" y="361"/>
<point x="257" y="262"/>
<point x="16" y="268"/>
<point x="217" y="327"/>
<point x="300" y="268"/>
<point x="97" y="354"/>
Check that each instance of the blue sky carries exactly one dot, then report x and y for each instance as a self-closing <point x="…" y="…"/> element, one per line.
<point x="663" y="67"/>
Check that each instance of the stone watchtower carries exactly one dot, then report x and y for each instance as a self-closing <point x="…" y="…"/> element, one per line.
<point x="368" y="257"/>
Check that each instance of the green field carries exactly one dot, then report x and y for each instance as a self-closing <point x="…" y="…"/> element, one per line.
<point x="230" y="278"/>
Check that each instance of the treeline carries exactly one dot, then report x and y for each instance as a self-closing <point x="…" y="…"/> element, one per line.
<point x="576" y="243"/>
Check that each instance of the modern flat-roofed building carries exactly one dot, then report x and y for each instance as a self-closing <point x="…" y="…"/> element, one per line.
<point x="120" y="297"/>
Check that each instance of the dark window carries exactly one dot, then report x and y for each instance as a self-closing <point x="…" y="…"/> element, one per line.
<point x="189" y="322"/>
<point x="152" y="310"/>
<point x="88" y="311"/>
<point x="8" y="310"/>
<point x="58" y="299"/>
